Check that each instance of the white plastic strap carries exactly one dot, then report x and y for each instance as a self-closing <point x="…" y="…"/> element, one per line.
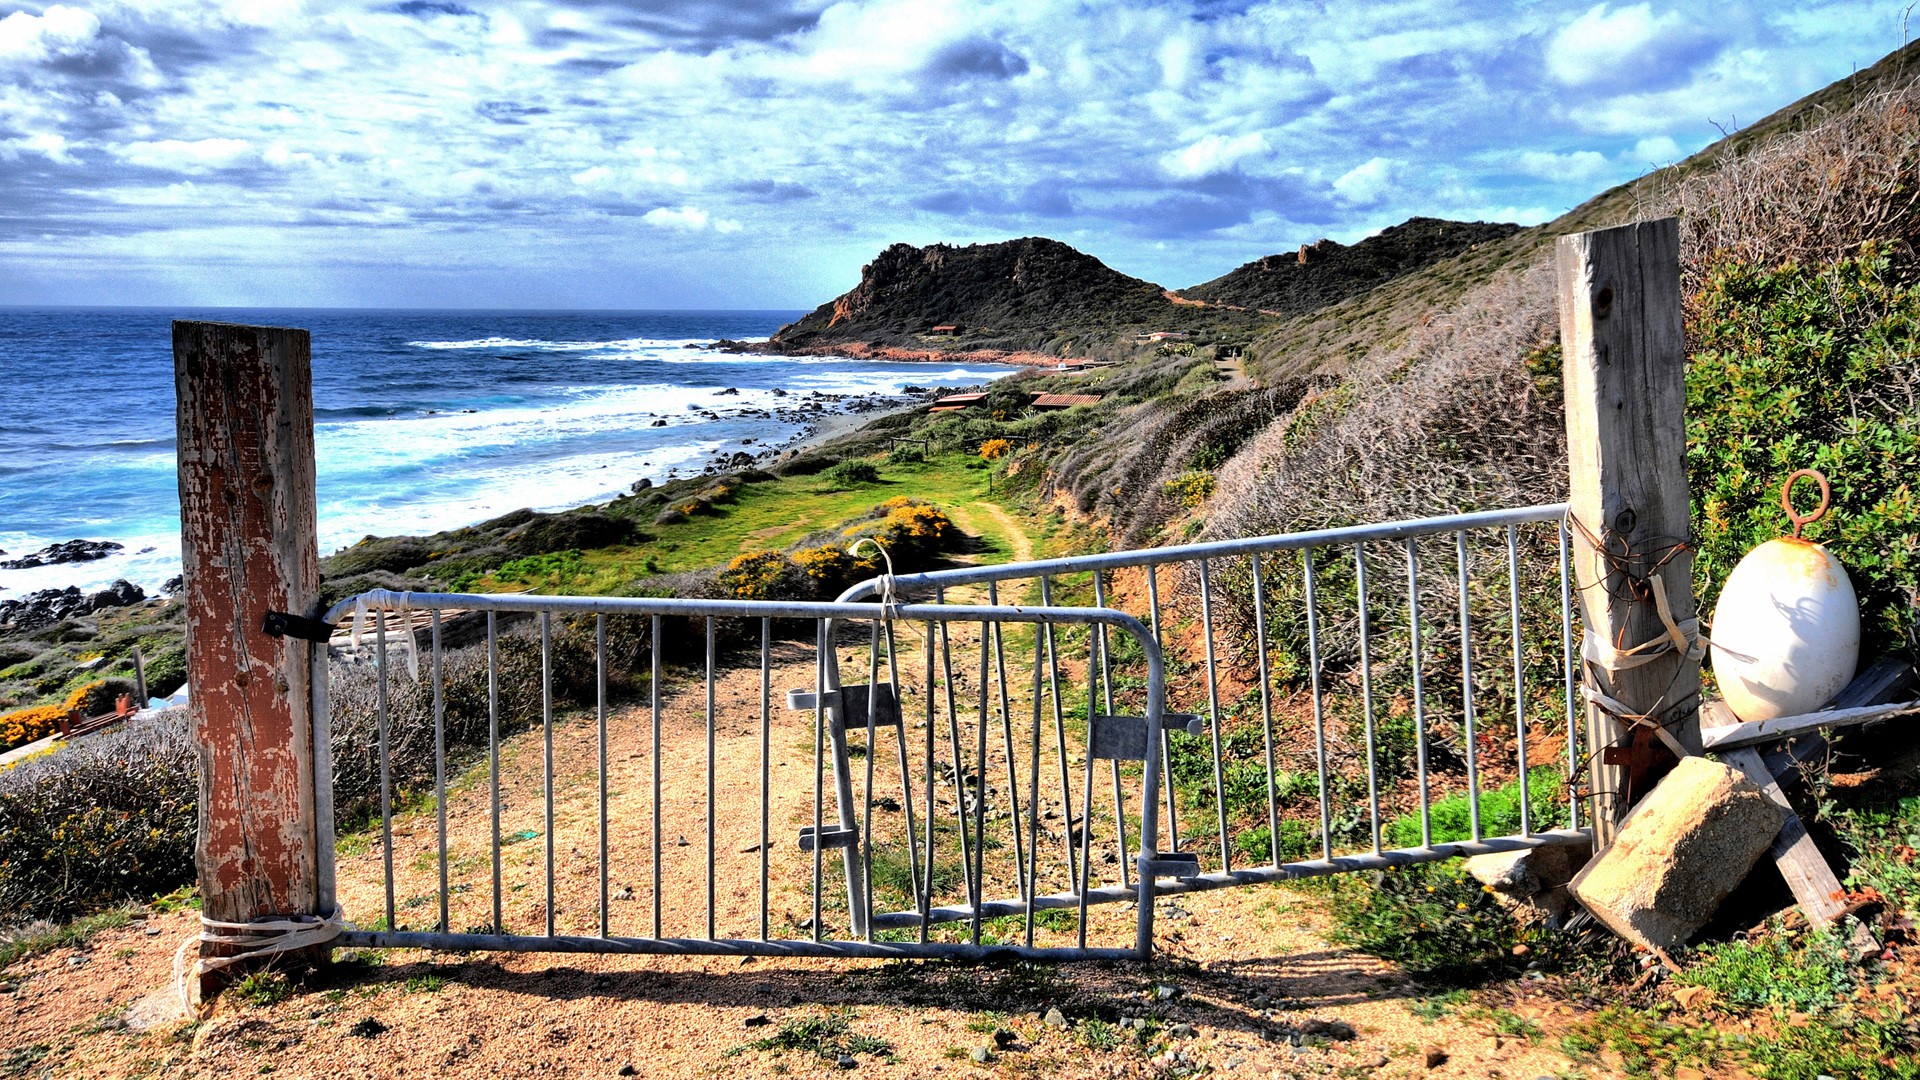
<point x="262" y="937"/>
<point x="393" y="602"/>
<point x="1683" y="637"/>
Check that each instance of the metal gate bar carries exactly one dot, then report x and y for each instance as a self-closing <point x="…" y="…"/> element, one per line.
<point x="857" y="832"/>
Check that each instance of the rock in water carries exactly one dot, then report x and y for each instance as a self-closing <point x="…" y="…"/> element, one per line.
<point x="1677" y="856"/>
<point x="1786" y="632"/>
<point x="70" y="552"/>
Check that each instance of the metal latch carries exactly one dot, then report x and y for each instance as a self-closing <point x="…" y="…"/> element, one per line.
<point x="830" y="837"/>
<point x="849" y="705"/>
<point x="1124" y="738"/>
<point x="1183" y="865"/>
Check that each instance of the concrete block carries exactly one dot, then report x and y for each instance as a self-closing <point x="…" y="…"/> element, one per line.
<point x="1529" y="871"/>
<point x="1688" y="844"/>
<point x="1532" y="883"/>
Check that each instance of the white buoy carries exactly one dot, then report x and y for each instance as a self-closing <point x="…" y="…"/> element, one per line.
<point x="1786" y="632"/>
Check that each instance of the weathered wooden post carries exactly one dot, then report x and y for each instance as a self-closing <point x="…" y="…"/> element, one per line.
<point x="1625" y="375"/>
<point x="248" y="541"/>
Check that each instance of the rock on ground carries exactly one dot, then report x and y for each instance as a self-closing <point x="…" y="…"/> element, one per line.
<point x="1678" y="854"/>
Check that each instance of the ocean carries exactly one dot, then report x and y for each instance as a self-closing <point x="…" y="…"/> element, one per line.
<point x="424" y="420"/>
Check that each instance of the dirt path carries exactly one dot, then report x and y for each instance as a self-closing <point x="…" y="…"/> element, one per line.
<point x="1017" y="537"/>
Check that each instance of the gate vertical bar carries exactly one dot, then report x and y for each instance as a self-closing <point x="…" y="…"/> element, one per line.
<point x="249" y="546"/>
<point x="835" y="720"/>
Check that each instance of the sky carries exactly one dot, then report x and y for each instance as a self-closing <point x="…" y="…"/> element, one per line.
<point x="755" y="153"/>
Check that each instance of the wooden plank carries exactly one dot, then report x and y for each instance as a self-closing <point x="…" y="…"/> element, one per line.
<point x="1815" y="889"/>
<point x="1625" y="379"/>
<point x="1732" y="736"/>
<point x="248" y="542"/>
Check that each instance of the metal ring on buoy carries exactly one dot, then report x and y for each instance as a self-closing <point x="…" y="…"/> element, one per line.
<point x="1786" y="500"/>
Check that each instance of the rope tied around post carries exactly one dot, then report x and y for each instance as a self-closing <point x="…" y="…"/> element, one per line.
<point x="265" y="936"/>
<point x="1680" y="637"/>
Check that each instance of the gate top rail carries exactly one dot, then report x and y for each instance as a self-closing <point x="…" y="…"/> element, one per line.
<point x="1251" y="545"/>
<point x="740" y="609"/>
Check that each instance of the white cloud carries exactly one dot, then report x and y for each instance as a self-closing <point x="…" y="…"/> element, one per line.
<point x="180" y="155"/>
<point x="1580" y="165"/>
<point x="1368" y="182"/>
<point x="1595" y="46"/>
<point x="687" y="219"/>
<point x="59" y="31"/>
<point x="46" y="144"/>
<point x="1655" y="150"/>
<point x="1212" y="154"/>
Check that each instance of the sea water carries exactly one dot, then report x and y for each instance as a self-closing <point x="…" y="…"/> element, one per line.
<point x="424" y="420"/>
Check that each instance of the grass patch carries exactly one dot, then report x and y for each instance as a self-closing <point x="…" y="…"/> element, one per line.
<point x="263" y="987"/>
<point x="829" y="1037"/>
<point x="1775" y="971"/>
<point x="762" y="514"/>
<point x="34" y="940"/>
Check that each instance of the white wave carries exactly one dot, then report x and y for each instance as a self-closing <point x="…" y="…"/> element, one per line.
<point x="147" y="560"/>
<point x="543" y="345"/>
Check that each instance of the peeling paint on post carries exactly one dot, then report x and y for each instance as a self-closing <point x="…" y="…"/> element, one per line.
<point x="248" y="542"/>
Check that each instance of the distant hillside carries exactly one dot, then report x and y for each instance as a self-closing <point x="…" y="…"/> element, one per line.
<point x="1031" y="294"/>
<point x="1326" y="272"/>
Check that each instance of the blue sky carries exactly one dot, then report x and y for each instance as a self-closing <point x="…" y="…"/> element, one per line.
<point x="753" y="154"/>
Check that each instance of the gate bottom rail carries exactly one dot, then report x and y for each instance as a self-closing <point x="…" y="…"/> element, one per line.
<point x="858" y="950"/>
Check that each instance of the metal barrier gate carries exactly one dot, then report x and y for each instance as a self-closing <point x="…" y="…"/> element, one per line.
<point x="1433" y="614"/>
<point x="920" y="870"/>
<point x="995" y="774"/>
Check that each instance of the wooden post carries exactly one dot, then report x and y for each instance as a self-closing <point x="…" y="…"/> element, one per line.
<point x="1626" y="395"/>
<point x="248" y="542"/>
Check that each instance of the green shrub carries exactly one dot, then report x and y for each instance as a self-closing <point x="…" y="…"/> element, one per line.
<point x="761" y="575"/>
<point x="166" y="672"/>
<point x="579" y="529"/>
<point x="851" y="474"/>
<point x="1433" y="920"/>
<point x="98" y="697"/>
<point x="905" y="455"/>
<point x="1810" y="367"/>
<point x="107" y="820"/>
<point x="1190" y="489"/>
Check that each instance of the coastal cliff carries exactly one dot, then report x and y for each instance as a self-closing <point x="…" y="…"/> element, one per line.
<point x="1027" y="299"/>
